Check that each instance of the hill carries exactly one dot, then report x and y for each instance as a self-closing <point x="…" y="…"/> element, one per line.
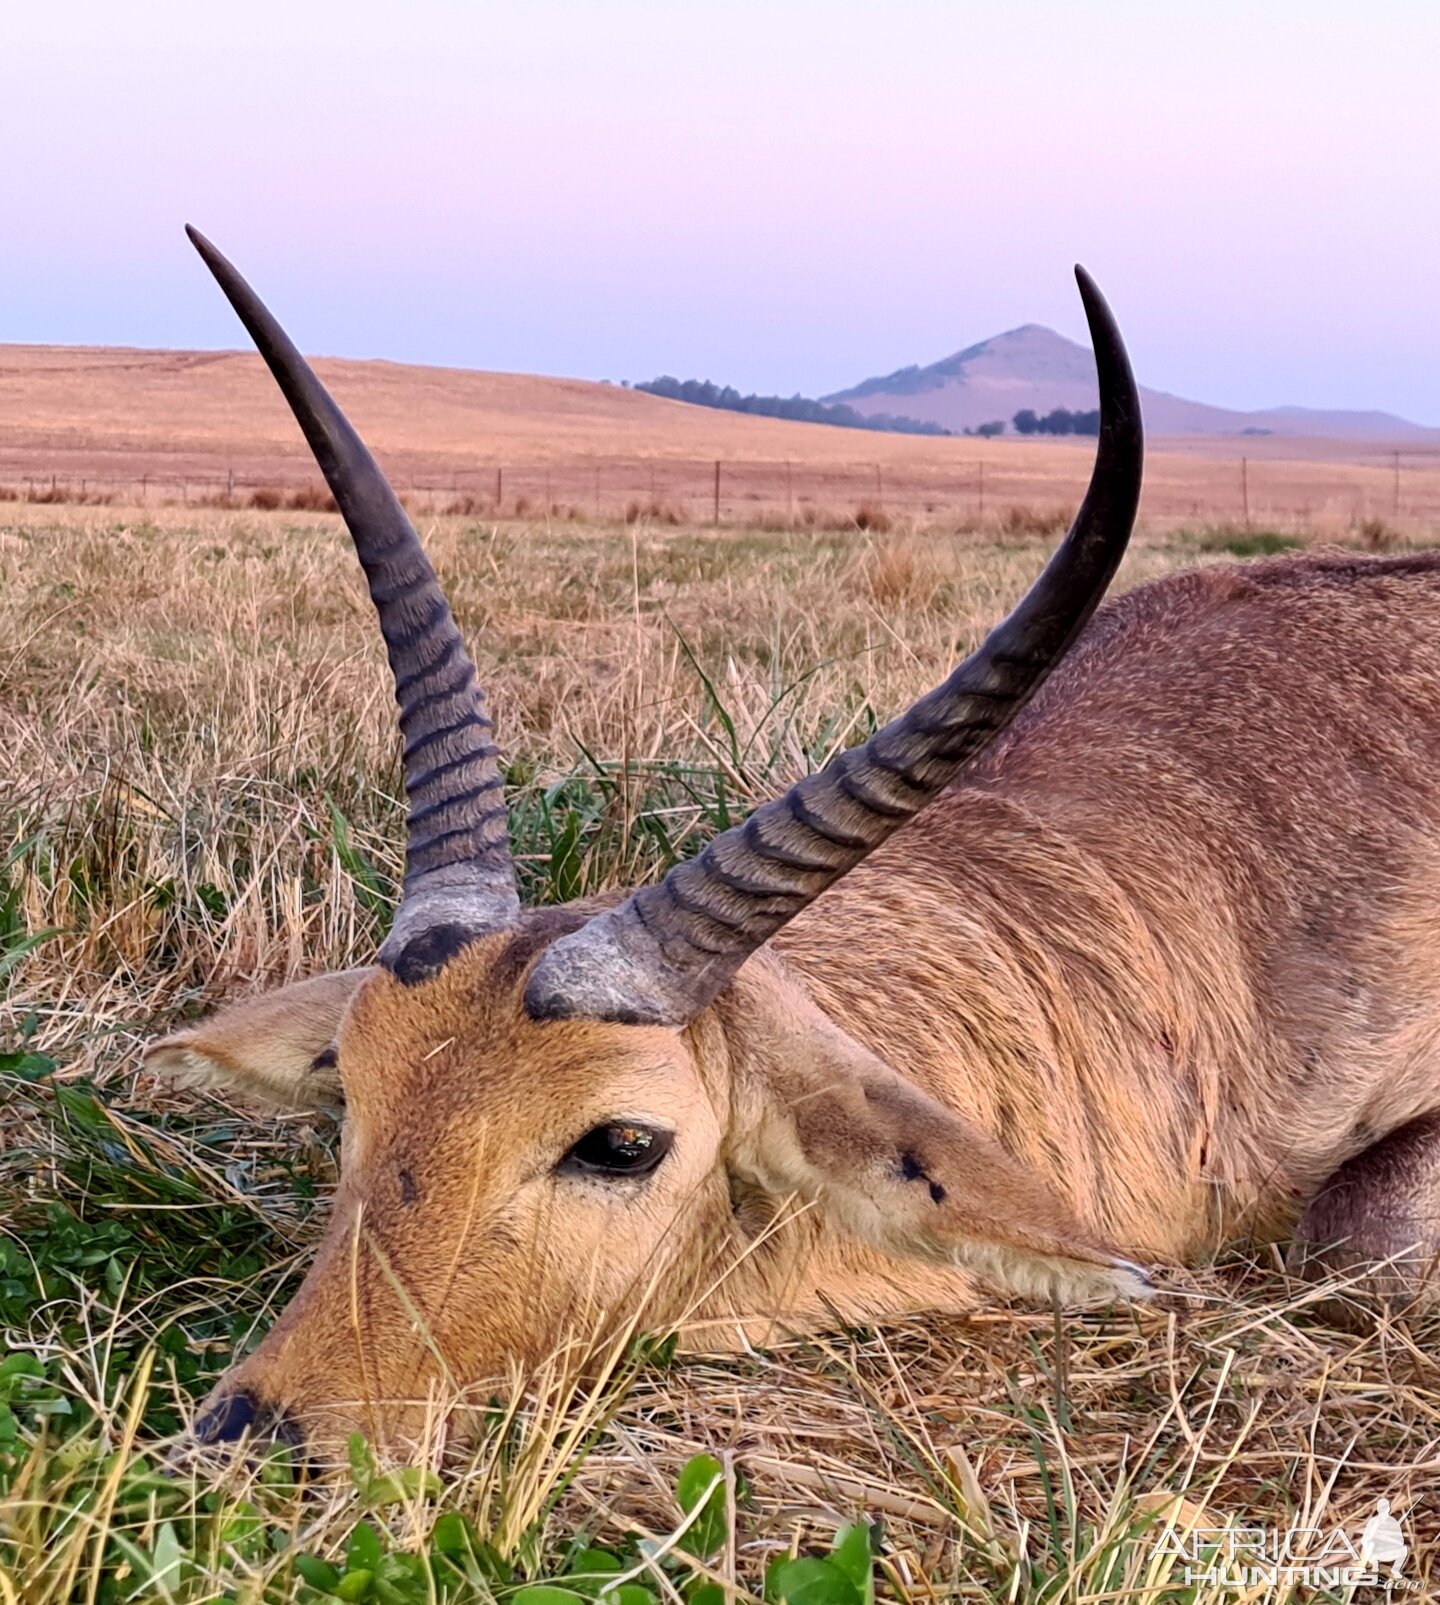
<point x="152" y="427"/>
<point x="1035" y="367"/>
<point x="797" y="408"/>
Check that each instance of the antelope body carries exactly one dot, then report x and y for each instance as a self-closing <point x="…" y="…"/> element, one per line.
<point x="1059" y="972"/>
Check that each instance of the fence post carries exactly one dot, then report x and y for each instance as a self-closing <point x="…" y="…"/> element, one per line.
<point x="717" y="492"/>
<point x="499" y="487"/>
<point x="879" y="487"/>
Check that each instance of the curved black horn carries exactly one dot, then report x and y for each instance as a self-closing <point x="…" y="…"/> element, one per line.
<point x="458" y="873"/>
<point x="668" y="950"/>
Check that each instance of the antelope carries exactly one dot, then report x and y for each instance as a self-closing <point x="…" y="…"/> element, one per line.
<point x="1118" y="946"/>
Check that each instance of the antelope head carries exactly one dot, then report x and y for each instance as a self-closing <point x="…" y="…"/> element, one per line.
<point x="548" y="1115"/>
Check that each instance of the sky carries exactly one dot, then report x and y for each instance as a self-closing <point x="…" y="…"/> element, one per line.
<point x="778" y="194"/>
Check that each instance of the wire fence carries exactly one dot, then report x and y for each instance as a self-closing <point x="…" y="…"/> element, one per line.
<point x="1010" y="486"/>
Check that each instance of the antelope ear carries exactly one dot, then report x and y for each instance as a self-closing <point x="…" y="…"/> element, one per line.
<point x="833" y="1122"/>
<point x="277" y="1049"/>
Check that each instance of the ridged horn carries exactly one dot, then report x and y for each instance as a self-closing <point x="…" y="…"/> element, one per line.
<point x="668" y="950"/>
<point x="459" y="879"/>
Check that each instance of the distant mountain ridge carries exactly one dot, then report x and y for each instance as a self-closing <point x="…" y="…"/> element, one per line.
<point x="1034" y="367"/>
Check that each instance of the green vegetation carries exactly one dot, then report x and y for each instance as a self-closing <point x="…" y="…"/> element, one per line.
<point x="1238" y="541"/>
<point x="202" y="799"/>
<point x="702" y="393"/>
<point x="1058" y="421"/>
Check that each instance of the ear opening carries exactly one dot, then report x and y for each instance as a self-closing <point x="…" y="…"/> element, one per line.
<point x="277" y="1049"/>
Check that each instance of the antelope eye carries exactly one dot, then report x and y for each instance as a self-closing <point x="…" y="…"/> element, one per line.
<point x="622" y="1149"/>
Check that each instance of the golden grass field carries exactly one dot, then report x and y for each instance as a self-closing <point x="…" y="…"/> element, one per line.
<point x="199" y="425"/>
<point x="200" y="798"/>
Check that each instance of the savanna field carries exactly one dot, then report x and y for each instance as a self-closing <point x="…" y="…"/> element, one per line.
<point x="201" y="797"/>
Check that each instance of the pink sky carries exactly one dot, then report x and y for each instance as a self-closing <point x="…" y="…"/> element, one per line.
<point x="785" y="196"/>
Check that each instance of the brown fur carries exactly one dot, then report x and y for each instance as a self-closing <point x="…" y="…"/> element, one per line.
<point x="1378" y="1218"/>
<point x="1160" y="964"/>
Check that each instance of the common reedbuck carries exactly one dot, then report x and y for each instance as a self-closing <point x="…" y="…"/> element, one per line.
<point x="1025" y="988"/>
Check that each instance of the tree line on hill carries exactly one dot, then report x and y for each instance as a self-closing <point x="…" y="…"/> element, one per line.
<point x="1059" y="421"/>
<point x="703" y="393"/>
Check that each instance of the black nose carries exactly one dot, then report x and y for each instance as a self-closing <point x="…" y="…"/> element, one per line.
<point x="238" y="1413"/>
<point x="227" y="1420"/>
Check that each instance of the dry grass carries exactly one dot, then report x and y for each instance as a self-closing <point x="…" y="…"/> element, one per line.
<point x="57" y="495"/>
<point x="196" y="424"/>
<point x="200" y="798"/>
<point x="655" y="511"/>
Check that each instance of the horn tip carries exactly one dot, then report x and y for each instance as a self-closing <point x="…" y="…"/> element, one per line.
<point x="219" y="264"/>
<point x="208" y="254"/>
<point x="1090" y="293"/>
<point x="1105" y="337"/>
<point x="227" y="276"/>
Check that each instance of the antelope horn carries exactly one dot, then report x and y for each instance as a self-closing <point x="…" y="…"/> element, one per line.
<point x="668" y="950"/>
<point x="459" y="880"/>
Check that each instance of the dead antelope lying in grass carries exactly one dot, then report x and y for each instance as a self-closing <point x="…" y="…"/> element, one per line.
<point x="1025" y="989"/>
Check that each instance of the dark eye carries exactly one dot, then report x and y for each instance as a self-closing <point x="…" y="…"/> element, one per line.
<point x="621" y="1149"/>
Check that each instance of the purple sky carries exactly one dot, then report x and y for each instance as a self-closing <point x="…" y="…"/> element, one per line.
<point x="784" y="195"/>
